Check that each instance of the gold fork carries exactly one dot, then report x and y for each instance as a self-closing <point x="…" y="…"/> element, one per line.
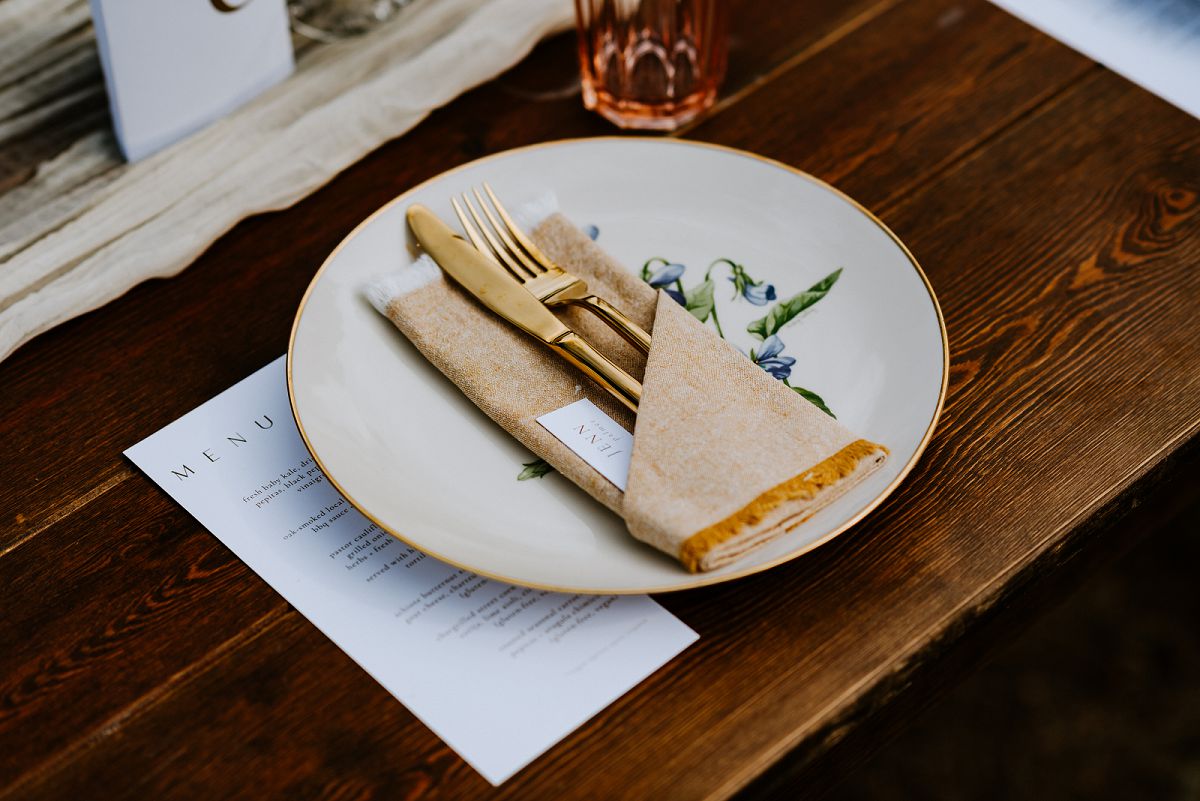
<point x="548" y="282"/>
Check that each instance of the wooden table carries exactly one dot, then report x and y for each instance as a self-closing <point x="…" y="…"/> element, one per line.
<point x="1056" y="210"/>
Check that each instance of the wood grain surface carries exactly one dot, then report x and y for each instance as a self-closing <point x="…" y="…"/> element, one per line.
<point x="1056" y="210"/>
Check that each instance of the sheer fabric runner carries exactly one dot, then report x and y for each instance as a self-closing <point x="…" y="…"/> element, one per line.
<point x="84" y="227"/>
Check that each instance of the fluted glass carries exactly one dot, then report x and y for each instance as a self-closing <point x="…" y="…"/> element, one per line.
<point x="651" y="63"/>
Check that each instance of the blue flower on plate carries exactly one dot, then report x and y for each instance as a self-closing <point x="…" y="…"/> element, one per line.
<point x="768" y="358"/>
<point x="664" y="276"/>
<point x="592" y="231"/>
<point x="675" y="295"/>
<point x="759" y="293"/>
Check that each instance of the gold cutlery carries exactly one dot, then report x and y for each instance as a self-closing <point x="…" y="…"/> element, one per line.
<point x="548" y="282"/>
<point x="493" y="286"/>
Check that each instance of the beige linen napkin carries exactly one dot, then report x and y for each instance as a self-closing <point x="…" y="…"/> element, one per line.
<point x="704" y="485"/>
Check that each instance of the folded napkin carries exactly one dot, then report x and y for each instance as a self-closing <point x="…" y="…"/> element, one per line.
<point x="703" y="486"/>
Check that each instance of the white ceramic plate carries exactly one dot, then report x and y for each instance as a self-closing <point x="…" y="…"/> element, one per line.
<point x="405" y="447"/>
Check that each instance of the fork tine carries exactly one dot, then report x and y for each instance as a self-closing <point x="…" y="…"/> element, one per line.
<point x="477" y="239"/>
<point x="516" y="231"/>
<point x="472" y="232"/>
<point x="504" y="256"/>
<point x="512" y="246"/>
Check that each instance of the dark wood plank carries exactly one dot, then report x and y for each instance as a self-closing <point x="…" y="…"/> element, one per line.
<point x="366" y="734"/>
<point x="53" y="96"/>
<point x="128" y="574"/>
<point x="1149" y="509"/>
<point x="942" y="78"/>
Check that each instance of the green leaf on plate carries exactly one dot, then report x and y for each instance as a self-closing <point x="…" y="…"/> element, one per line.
<point x="535" y="469"/>
<point x="699" y="300"/>
<point x="785" y="311"/>
<point x="814" y="399"/>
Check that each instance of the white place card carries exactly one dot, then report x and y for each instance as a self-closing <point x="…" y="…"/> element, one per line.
<point x="595" y="437"/>
<point x="174" y="66"/>
<point x="499" y="672"/>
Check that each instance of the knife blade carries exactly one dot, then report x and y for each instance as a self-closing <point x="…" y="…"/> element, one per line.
<point x="483" y="277"/>
<point x="492" y="286"/>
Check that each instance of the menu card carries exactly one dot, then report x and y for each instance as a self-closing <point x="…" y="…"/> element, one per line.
<point x="1154" y="43"/>
<point x="499" y="672"/>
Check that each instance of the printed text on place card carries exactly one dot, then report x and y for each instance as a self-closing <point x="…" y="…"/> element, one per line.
<point x="593" y="436"/>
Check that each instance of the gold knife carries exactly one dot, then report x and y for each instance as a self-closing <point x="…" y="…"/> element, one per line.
<point x="503" y="294"/>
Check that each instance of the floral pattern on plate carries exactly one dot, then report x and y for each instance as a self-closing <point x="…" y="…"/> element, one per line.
<point x="705" y="303"/>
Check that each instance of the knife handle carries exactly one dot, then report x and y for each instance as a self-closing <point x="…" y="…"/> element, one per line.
<point x="599" y="368"/>
<point x="630" y="331"/>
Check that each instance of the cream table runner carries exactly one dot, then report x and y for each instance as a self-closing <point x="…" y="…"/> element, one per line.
<point x="80" y="227"/>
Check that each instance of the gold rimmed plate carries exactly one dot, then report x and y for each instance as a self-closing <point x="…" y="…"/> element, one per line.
<point x="405" y="447"/>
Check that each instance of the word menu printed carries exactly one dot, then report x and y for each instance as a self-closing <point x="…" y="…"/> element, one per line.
<point x="499" y="672"/>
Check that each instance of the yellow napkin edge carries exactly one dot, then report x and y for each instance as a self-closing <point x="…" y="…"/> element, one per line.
<point x="801" y="487"/>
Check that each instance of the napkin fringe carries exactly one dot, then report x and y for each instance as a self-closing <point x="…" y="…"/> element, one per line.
<point x="804" y="487"/>
<point x="383" y="289"/>
<point x="530" y="215"/>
